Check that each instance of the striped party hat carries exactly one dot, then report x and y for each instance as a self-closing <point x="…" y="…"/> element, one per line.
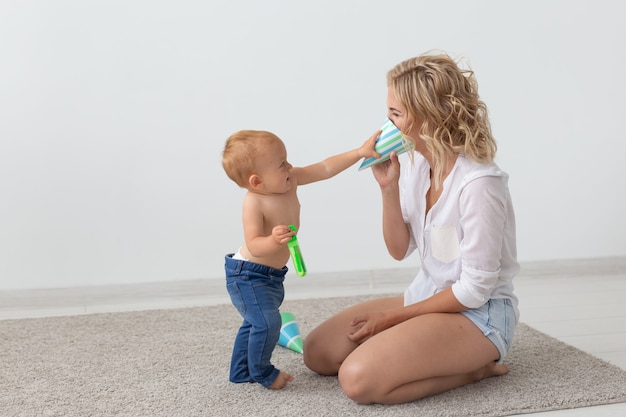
<point x="290" y="333"/>
<point x="390" y="139"/>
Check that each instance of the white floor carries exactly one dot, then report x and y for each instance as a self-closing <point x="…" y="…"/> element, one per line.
<point x="580" y="302"/>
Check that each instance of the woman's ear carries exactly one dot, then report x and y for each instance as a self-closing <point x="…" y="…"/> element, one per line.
<point x="255" y="181"/>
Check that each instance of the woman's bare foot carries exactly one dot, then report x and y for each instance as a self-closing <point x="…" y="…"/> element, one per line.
<point x="281" y="380"/>
<point x="489" y="370"/>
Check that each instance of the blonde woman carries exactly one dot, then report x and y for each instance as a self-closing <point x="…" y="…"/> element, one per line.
<point x="455" y="322"/>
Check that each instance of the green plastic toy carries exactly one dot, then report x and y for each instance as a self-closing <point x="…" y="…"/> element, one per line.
<point x="296" y="254"/>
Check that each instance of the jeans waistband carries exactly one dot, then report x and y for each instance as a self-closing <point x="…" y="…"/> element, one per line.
<point x="239" y="265"/>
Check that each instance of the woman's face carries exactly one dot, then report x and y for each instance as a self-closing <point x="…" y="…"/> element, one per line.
<point x="398" y="114"/>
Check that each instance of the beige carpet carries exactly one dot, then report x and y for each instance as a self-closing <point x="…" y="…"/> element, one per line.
<point x="175" y="363"/>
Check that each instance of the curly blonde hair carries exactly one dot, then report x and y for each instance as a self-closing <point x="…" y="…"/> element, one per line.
<point x="444" y="98"/>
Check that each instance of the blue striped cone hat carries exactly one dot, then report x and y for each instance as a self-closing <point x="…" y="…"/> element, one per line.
<point x="290" y="333"/>
<point x="390" y="139"/>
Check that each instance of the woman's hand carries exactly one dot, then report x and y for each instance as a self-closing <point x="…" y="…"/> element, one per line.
<point x="388" y="172"/>
<point x="367" y="325"/>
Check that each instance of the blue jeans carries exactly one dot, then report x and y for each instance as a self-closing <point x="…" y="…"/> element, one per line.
<point x="257" y="292"/>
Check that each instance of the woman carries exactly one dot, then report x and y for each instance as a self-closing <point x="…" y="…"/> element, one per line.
<point x="456" y="320"/>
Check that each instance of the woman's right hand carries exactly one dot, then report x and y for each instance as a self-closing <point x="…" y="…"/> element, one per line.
<point x="367" y="325"/>
<point x="388" y="172"/>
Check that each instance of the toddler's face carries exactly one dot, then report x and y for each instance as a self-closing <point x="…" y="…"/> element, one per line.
<point x="274" y="170"/>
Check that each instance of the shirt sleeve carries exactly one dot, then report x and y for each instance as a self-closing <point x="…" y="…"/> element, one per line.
<point x="483" y="212"/>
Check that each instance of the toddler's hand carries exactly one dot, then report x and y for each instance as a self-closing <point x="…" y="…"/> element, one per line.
<point x="367" y="150"/>
<point x="282" y="234"/>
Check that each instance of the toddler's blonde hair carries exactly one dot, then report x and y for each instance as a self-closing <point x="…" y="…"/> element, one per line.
<point x="241" y="151"/>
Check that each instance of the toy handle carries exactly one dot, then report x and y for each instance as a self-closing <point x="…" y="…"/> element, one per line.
<point x="296" y="254"/>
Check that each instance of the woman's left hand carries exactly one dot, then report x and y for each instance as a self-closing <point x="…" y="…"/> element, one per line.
<point x="365" y="326"/>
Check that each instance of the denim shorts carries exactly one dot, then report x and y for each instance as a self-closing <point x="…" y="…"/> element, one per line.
<point x="496" y="319"/>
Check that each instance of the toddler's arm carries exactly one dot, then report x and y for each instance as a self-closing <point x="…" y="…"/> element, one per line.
<point x="261" y="246"/>
<point x="333" y="165"/>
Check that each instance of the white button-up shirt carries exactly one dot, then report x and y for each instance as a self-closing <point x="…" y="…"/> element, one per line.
<point x="467" y="239"/>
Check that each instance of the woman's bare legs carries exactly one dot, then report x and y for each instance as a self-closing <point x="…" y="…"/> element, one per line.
<point x="326" y="347"/>
<point x="423" y="356"/>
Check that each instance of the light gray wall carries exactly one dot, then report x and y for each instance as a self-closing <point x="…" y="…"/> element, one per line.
<point x="113" y="115"/>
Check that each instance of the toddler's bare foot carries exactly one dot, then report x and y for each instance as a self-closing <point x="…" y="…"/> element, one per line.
<point x="281" y="380"/>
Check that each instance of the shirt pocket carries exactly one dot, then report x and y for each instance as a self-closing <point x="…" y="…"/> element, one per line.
<point x="445" y="243"/>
